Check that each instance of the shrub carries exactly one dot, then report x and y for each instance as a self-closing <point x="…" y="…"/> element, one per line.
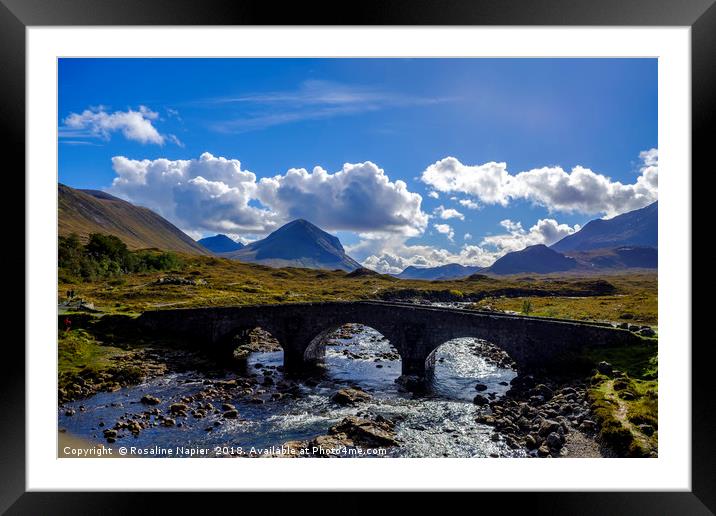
<point x="526" y="306"/>
<point x="106" y="256"/>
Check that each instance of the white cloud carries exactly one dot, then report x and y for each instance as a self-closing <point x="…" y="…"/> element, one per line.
<point x="433" y="194"/>
<point x="393" y="255"/>
<point x="469" y="204"/>
<point x="545" y="231"/>
<point x="206" y="194"/>
<point x="214" y="194"/>
<point x="448" y="213"/>
<point x="360" y="197"/>
<point x="97" y="122"/>
<point x="445" y="229"/>
<point x="580" y="190"/>
<point x="467" y="236"/>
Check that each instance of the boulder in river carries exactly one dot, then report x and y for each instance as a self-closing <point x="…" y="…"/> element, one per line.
<point x="366" y="432"/>
<point x="350" y="396"/>
<point x="148" y="399"/>
<point x="178" y="408"/>
<point x="480" y="387"/>
<point x="480" y="400"/>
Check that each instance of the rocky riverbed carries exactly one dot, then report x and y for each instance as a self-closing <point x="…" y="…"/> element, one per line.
<point x="473" y="406"/>
<point x="540" y="416"/>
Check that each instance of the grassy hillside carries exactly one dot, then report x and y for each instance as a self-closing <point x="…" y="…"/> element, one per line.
<point x="211" y="281"/>
<point x="87" y="211"/>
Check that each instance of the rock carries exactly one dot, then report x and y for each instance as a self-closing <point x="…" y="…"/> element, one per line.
<point x="627" y="395"/>
<point x="646" y="332"/>
<point x="231" y="414"/>
<point x="148" y="399"/>
<point x="620" y="384"/>
<point x="168" y="422"/>
<point x="480" y="387"/>
<point x="605" y="368"/>
<point x="134" y="427"/>
<point x="480" y="400"/>
<point x="523" y="382"/>
<point x="323" y="444"/>
<point x="548" y="426"/>
<point x="554" y="441"/>
<point x="366" y="432"/>
<point x="177" y="408"/>
<point x="227" y="406"/>
<point x="70" y="412"/>
<point x="530" y="442"/>
<point x="109" y="432"/>
<point x="544" y="391"/>
<point x="646" y="429"/>
<point x="350" y="396"/>
<point x="543" y="451"/>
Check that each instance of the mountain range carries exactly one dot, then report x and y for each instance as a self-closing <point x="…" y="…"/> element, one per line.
<point x="92" y="211"/>
<point x="629" y="240"/>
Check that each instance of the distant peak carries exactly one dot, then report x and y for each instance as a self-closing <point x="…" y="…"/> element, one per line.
<point x="300" y="222"/>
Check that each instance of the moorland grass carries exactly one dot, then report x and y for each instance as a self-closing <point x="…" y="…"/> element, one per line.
<point x="223" y="282"/>
<point x="626" y="401"/>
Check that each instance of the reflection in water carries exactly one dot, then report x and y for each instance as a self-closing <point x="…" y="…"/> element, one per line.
<point x="440" y="422"/>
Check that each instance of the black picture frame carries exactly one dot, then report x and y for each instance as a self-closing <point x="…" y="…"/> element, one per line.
<point x="700" y="15"/>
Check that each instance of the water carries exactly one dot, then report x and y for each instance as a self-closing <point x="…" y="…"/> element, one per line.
<point x="437" y="423"/>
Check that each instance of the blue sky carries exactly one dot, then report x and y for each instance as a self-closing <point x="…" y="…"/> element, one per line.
<point x="541" y="117"/>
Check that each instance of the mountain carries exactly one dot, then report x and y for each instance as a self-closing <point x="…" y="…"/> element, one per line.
<point x="634" y="228"/>
<point x="443" y="272"/>
<point x="92" y="211"/>
<point x="220" y="244"/>
<point x="297" y="244"/>
<point x="619" y="258"/>
<point x="538" y="259"/>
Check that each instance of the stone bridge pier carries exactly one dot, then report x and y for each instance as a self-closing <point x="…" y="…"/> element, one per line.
<point x="415" y="331"/>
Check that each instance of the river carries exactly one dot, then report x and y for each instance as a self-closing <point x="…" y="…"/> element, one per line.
<point x="437" y="423"/>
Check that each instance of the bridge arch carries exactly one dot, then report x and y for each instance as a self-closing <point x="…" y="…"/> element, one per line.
<point x="316" y="349"/>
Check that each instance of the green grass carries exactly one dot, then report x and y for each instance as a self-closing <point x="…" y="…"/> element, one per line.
<point x="77" y="351"/>
<point x="635" y="304"/>
<point x="86" y="366"/>
<point x="623" y="403"/>
<point x="227" y="282"/>
<point x="636" y="361"/>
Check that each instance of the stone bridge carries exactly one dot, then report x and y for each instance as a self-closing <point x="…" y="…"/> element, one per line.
<point x="416" y="331"/>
